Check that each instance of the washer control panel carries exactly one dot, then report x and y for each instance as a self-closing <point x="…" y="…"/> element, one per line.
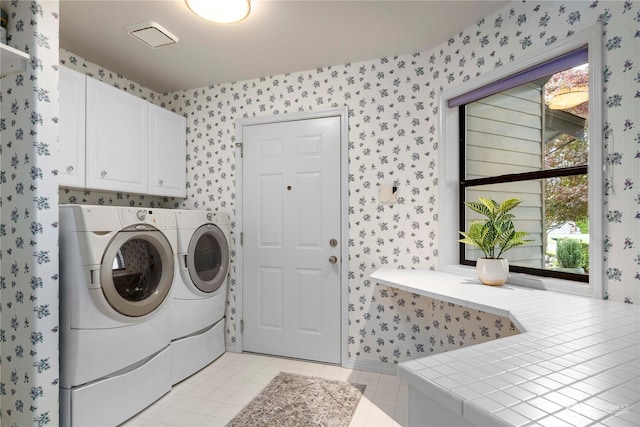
<point x="159" y="218"/>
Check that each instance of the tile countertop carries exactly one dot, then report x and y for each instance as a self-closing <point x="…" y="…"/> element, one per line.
<point x="576" y="361"/>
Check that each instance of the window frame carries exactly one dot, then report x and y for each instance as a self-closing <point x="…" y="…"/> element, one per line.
<point x="449" y="166"/>
<point x="500" y="179"/>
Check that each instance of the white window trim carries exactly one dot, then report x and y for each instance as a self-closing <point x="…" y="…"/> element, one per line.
<point x="448" y="175"/>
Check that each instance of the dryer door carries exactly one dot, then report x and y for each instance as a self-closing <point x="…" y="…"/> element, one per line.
<point x="137" y="270"/>
<point x="208" y="258"/>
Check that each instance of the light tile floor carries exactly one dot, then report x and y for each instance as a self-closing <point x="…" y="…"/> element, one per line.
<point x="213" y="396"/>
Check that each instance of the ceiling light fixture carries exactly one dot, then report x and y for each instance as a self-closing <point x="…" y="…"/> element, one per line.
<point x="221" y="11"/>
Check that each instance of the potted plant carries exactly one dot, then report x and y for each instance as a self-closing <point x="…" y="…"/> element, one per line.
<point x="569" y="254"/>
<point x="493" y="236"/>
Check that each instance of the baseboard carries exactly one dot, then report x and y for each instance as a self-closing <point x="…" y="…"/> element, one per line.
<point x="361" y="365"/>
<point x="233" y="348"/>
<point x="373" y="366"/>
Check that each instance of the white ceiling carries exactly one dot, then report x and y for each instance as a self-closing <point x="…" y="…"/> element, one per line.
<point x="278" y="36"/>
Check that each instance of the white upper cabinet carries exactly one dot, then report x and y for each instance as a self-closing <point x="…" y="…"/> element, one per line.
<point x="114" y="141"/>
<point x="71" y="152"/>
<point x="167" y="152"/>
<point x="117" y="139"/>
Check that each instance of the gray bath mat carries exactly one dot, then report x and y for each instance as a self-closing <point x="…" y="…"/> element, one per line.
<point x="292" y="400"/>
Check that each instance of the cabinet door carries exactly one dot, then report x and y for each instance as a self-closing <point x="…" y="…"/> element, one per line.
<point x="167" y="153"/>
<point x="71" y="128"/>
<point x="117" y="139"/>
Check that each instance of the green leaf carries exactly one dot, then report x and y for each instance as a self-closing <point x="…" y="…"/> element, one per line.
<point x="496" y="233"/>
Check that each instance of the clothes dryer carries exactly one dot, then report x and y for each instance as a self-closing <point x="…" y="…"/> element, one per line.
<point x="200" y="291"/>
<point x="117" y="269"/>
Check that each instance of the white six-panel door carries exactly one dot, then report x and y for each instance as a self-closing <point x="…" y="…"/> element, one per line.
<point x="291" y="213"/>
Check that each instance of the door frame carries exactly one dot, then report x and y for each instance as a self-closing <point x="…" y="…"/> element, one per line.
<point x="343" y="114"/>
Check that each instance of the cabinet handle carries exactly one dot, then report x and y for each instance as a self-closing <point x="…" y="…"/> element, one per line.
<point x="160" y="182"/>
<point x="103" y="174"/>
<point x="69" y="169"/>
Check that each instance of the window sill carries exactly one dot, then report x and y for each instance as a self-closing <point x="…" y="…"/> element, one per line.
<point x="534" y="282"/>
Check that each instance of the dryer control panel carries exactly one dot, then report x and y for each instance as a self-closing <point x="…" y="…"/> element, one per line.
<point x="159" y="218"/>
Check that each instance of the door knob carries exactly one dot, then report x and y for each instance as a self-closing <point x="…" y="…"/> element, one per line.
<point x="333" y="259"/>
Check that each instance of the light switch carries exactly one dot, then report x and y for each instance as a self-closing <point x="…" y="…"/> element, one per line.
<point x="388" y="194"/>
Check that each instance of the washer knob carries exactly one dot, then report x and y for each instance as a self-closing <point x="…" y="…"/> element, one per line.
<point x="142" y="214"/>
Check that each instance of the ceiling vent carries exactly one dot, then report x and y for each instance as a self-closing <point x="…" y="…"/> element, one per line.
<point x="152" y="34"/>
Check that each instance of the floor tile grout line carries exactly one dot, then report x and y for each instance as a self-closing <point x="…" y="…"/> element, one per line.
<point x="199" y="388"/>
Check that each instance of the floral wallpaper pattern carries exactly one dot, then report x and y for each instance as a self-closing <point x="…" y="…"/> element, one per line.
<point x="420" y="325"/>
<point x="28" y="220"/>
<point x="399" y="326"/>
<point x="393" y="138"/>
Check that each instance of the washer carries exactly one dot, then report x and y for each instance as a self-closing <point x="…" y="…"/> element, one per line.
<point x="197" y="312"/>
<point x="117" y="269"/>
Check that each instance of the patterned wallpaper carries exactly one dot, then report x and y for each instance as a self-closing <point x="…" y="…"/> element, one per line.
<point x="393" y="138"/>
<point x="420" y="324"/>
<point x="28" y="221"/>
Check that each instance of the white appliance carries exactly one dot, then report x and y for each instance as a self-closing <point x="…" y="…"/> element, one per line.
<point x="117" y="268"/>
<point x="200" y="291"/>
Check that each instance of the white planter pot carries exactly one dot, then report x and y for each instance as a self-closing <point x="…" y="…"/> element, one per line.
<point x="492" y="272"/>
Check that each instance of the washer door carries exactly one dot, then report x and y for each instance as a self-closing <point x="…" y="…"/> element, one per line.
<point x="208" y="258"/>
<point x="137" y="270"/>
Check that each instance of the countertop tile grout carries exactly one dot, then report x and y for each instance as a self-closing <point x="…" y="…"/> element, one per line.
<point x="571" y="350"/>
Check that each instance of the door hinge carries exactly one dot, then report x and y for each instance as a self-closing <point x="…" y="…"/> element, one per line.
<point x="242" y="238"/>
<point x="239" y="145"/>
<point x="241" y="326"/>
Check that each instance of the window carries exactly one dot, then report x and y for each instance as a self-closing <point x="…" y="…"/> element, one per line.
<point x="506" y="135"/>
<point x="530" y="141"/>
